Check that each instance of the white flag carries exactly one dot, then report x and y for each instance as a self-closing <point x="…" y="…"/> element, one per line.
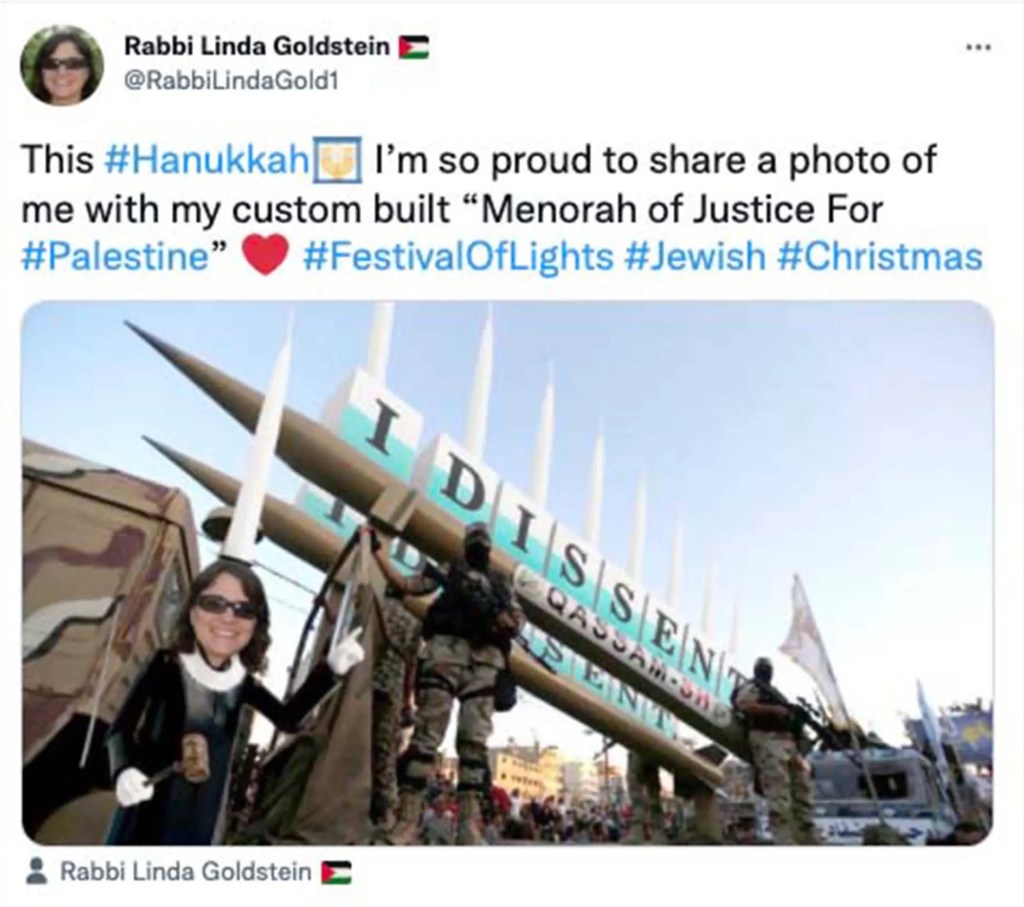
<point x="804" y="645"/>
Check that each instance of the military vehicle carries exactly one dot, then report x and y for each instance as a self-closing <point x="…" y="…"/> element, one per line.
<point x="911" y="797"/>
<point x="107" y="558"/>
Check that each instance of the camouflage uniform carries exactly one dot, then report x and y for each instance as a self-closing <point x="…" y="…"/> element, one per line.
<point x="784" y="779"/>
<point x="644" y="785"/>
<point x="452" y="667"/>
<point x="400" y="643"/>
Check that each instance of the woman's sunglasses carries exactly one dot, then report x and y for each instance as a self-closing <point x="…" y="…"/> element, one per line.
<point x="215" y="604"/>
<point x="69" y="63"/>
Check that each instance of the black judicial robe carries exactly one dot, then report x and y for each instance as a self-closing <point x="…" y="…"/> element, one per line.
<point x="168" y="701"/>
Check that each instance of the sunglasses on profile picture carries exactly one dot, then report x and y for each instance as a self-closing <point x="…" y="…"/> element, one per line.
<point x="70" y="63"/>
<point x="216" y="604"/>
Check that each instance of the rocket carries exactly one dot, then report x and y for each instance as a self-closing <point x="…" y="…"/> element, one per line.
<point x="302" y="536"/>
<point x="340" y="470"/>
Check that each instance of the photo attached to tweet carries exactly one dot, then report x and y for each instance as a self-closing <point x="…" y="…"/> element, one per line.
<point x="515" y="427"/>
<point x="271" y="657"/>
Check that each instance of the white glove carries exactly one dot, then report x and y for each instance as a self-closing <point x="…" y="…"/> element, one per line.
<point x="346" y="654"/>
<point x="132" y="787"/>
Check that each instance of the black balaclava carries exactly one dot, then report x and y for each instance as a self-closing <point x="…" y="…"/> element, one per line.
<point x="477" y="546"/>
<point x="763" y="670"/>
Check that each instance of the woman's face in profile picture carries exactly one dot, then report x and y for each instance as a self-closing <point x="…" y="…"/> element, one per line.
<point x="64" y="71"/>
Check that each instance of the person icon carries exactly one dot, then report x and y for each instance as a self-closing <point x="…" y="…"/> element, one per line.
<point x="36" y="877"/>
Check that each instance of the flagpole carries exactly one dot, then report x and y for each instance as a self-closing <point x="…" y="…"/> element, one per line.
<point x="955" y="766"/>
<point x="853" y="727"/>
<point x="860" y="761"/>
<point x="933" y="731"/>
<point x="100" y="683"/>
<point x="866" y="772"/>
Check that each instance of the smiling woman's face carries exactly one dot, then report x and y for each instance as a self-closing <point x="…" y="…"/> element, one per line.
<point x="222" y="635"/>
<point x="64" y="83"/>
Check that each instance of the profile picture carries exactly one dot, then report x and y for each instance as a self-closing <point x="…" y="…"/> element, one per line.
<point x="61" y="65"/>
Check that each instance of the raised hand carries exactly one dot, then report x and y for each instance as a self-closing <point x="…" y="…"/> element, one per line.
<point x="346" y="654"/>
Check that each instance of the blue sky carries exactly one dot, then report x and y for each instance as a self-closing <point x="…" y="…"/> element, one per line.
<point x="851" y="443"/>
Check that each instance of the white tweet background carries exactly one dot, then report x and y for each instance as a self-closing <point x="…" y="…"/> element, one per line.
<point x="742" y="76"/>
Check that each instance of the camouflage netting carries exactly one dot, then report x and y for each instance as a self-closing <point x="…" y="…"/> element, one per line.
<point x="316" y="788"/>
<point x="106" y="558"/>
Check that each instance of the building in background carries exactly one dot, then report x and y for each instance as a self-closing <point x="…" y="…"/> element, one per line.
<point x="512" y="772"/>
<point x="536" y="771"/>
<point x="550" y="764"/>
<point x="615" y="786"/>
<point x="581" y="782"/>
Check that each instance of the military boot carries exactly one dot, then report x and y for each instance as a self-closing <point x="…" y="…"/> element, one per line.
<point x="407" y="828"/>
<point x="470" y="819"/>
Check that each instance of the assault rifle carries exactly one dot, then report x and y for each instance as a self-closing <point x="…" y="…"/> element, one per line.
<point x="803" y="715"/>
<point x="825" y="732"/>
<point x="475" y="587"/>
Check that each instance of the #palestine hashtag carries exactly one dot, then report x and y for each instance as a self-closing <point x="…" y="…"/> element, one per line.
<point x="56" y="255"/>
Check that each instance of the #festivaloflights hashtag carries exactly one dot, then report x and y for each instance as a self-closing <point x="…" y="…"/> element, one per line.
<point x="316" y="256"/>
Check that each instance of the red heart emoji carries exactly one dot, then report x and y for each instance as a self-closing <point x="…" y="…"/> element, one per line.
<point x="264" y="253"/>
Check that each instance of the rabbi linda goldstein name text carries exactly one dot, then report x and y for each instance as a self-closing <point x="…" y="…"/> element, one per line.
<point x="156" y="870"/>
<point x="249" y="46"/>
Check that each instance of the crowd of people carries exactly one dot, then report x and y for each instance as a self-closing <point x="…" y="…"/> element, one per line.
<point x="554" y="820"/>
<point x="210" y="674"/>
<point x="511" y="817"/>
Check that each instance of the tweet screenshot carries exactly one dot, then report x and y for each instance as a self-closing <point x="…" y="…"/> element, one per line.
<point x="586" y="433"/>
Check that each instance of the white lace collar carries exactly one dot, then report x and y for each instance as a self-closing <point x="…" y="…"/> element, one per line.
<point x="203" y="674"/>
